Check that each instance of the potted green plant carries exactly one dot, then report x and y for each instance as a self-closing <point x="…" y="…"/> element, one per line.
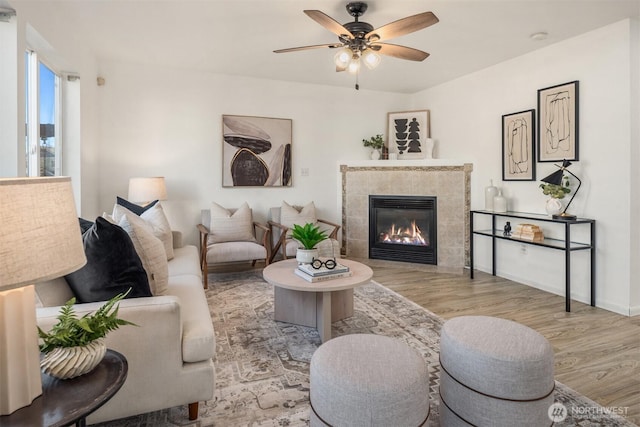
<point x="555" y="193"/>
<point x="308" y="236"/>
<point x="74" y="346"/>
<point x="376" y="143"/>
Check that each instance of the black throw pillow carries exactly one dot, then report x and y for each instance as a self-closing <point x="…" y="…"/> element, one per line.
<point x="113" y="266"/>
<point x="136" y="209"/>
<point x="85" y="224"/>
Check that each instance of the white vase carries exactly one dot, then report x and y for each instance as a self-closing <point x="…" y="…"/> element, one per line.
<point x="428" y="147"/>
<point x="70" y="362"/>
<point x="499" y="203"/>
<point x="553" y="206"/>
<point x="306" y="256"/>
<point x="489" y="193"/>
<point x="375" y="154"/>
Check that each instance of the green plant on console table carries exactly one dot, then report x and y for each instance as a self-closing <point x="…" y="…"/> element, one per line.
<point x="375" y="142"/>
<point x="556" y="191"/>
<point x="308" y="235"/>
<point x="72" y="331"/>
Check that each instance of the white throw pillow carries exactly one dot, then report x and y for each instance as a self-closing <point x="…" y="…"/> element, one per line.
<point x="290" y="215"/>
<point x="228" y="227"/>
<point x="157" y="221"/>
<point x="160" y="227"/>
<point x="150" y="250"/>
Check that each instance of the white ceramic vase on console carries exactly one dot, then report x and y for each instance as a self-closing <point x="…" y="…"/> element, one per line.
<point x="499" y="203"/>
<point x="490" y="192"/>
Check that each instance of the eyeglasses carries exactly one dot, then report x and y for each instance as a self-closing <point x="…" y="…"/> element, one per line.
<point x="318" y="263"/>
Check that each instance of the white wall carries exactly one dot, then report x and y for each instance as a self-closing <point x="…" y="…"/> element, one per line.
<point x="466" y="118"/>
<point x="634" y="229"/>
<point x="167" y="122"/>
<point x="10" y="67"/>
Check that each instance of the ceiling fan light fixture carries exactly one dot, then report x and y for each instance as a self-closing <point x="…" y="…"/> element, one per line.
<point x="354" y="65"/>
<point x="371" y="59"/>
<point x="343" y="57"/>
<point x="360" y="41"/>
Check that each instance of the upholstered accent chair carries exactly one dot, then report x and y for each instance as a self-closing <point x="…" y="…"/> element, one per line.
<point x="230" y="236"/>
<point x="281" y="221"/>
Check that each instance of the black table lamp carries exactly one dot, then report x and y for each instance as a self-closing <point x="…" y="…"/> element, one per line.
<point x="556" y="179"/>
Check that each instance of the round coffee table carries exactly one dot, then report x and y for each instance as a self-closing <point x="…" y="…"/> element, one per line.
<point x="317" y="304"/>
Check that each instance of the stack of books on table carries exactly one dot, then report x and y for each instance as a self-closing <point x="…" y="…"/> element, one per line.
<point x="529" y="232"/>
<point x="310" y="274"/>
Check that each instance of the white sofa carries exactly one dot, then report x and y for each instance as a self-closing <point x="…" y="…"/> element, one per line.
<point x="170" y="353"/>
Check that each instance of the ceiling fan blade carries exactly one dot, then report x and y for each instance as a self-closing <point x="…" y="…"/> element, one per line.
<point x="401" y="52"/>
<point x="403" y="26"/>
<point x="317" y="46"/>
<point x="329" y="23"/>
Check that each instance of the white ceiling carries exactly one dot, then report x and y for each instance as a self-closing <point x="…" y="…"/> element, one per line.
<point x="238" y="36"/>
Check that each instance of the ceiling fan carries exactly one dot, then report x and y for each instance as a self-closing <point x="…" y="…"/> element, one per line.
<point x="360" y="41"/>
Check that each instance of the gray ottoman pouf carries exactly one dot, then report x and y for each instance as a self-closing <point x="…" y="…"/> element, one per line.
<point x="368" y="380"/>
<point x="494" y="372"/>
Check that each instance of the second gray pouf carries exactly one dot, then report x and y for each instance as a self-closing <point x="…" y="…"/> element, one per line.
<point x="368" y="380"/>
<point x="495" y="372"/>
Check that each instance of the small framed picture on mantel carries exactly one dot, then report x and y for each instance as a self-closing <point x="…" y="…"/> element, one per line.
<point x="407" y="134"/>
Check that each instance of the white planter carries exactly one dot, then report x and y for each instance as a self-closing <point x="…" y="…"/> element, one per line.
<point x="70" y="362"/>
<point x="375" y="154"/>
<point x="553" y="206"/>
<point x="306" y="256"/>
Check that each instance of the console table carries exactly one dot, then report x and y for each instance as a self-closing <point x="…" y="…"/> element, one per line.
<point x="65" y="402"/>
<point x="566" y="244"/>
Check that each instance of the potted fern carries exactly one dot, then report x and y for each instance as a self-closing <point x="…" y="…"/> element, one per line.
<point x="308" y="236"/>
<point x="74" y="346"/>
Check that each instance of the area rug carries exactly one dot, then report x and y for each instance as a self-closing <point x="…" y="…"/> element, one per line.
<point x="262" y="366"/>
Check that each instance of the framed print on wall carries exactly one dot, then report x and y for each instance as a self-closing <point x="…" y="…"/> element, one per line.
<point x="407" y="132"/>
<point x="518" y="142"/>
<point x="558" y="122"/>
<point x="256" y="151"/>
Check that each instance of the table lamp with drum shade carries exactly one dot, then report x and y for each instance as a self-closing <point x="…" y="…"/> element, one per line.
<point x="39" y="240"/>
<point x="556" y="179"/>
<point x="147" y="189"/>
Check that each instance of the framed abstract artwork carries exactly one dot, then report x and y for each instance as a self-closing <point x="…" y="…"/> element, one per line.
<point x="518" y="145"/>
<point x="558" y="122"/>
<point x="407" y="132"/>
<point x="256" y="151"/>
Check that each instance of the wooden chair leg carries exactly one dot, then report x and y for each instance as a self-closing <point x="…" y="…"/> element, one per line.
<point x="193" y="411"/>
<point x="205" y="277"/>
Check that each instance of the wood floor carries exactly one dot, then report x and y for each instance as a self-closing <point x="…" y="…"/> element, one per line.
<point x="597" y="352"/>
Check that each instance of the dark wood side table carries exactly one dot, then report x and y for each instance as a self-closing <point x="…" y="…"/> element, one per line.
<point x="65" y="402"/>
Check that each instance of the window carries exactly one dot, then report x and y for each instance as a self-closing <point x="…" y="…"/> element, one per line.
<point x="43" y="141"/>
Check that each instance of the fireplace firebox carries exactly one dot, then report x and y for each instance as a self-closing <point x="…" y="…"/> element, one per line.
<point x="403" y="228"/>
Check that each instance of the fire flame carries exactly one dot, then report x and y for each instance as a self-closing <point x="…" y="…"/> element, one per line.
<point x="411" y="235"/>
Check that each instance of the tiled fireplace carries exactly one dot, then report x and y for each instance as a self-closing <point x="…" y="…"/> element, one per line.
<point x="445" y="181"/>
<point x="403" y="228"/>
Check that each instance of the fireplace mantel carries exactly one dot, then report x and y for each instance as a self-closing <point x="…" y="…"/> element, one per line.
<point x="448" y="180"/>
<point x="403" y="163"/>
